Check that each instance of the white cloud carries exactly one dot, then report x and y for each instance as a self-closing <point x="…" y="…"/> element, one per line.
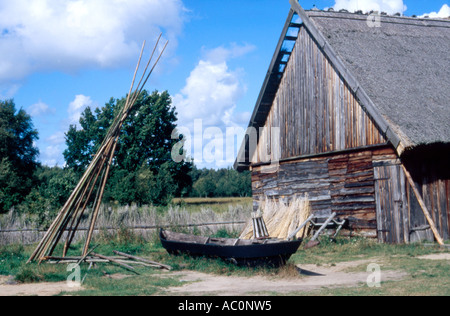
<point x="207" y="104"/>
<point x="52" y="156"/>
<point x="77" y="106"/>
<point x="53" y="149"/>
<point x="388" y="6"/>
<point x="7" y="91"/>
<point x="213" y="89"/>
<point x="54" y="145"/>
<point x="57" y="139"/>
<point x="443" y="13"/>
<point x="39" y="109"/>
<point x="66" y="35"/>
<point x="222" y="53"/>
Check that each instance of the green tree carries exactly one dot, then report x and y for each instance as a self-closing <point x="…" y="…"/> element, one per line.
<point x="50" y="192"/>
<point x="204" y="187"/>
<point x="9" y="182"/>
<point x="143" y="151"/>
<point x="17" y="154"/>
<point x="221" y="183"/>
<point x="83" y="144"/>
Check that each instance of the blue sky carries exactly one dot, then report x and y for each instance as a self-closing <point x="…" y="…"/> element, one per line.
<point x="59" y="56"/>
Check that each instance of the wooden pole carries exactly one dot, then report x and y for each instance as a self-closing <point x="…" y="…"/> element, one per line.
<point x="323" y="226"/>
<point x="313" y="242"/>
<point x="71" y="212"/>
<point x="85" y="256"/>
<point x="44" y="244"/>
<point x="99" y="199"/>
<point x="300" y="227"/>
<point x="142" y="259"/>
<point x="81" y="212"/>
<point x="115" y="261"/>
<point x="423" y="206"/>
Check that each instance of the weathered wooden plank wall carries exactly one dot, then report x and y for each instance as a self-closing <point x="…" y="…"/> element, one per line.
<point x="314" y="109"/>
<point x="341" y="183"/>
<point x="367" y="187"/>
<point x="391" y="198"/>
<point x="430" y="169"/>
<point x="436" y="195"/>
<point x="353" y="192"/>
<point x="392" y="210"/>
<point x="400" y="218"/>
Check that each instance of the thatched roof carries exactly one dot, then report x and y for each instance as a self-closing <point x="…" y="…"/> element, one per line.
<point x="404" y="67"/>
<point x="400" y="72"/>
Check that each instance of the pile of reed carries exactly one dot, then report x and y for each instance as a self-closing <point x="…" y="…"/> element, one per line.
<point x="282" y="219"/>
<point x="95" y="176"/>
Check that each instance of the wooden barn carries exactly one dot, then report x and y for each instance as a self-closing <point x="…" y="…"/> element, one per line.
<point x="355" y="112"/>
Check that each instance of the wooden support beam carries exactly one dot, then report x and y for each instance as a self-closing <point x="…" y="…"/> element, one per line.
<point x="423" y="206"/>
<point x="300" y="227"/>
<point x="290" y="38"/>
<point x="332" y="216"/>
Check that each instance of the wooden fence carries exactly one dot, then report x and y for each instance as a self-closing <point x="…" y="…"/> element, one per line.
<point x="29" y="236"/>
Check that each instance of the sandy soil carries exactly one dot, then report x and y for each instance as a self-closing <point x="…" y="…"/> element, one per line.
<point x="35" y="289"/>
<point x="313" y="277"/>
<point x="438" y="256"/>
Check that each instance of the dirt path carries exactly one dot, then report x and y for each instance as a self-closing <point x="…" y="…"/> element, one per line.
<point x="439" y="256"/>
<point x="313" y="278"/>
<point x="35" y="289"/>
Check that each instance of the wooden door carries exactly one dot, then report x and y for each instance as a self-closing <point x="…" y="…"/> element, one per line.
<point x="391" y="204"/>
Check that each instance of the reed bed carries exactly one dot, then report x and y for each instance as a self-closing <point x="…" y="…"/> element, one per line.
<point x="142" y="221"/>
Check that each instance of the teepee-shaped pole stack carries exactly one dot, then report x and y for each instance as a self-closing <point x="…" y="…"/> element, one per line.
<point x="94" y="178"/>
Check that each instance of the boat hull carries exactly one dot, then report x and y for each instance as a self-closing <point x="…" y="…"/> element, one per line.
<point x="240" y="252"/>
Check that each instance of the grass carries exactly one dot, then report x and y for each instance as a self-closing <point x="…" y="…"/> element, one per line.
<point x="423" y="277"/>
<point x="217" y="200"/>
<point x="218" y="205"/>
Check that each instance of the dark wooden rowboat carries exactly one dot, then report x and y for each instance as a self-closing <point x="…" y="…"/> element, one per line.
<point x="268" y="252"/>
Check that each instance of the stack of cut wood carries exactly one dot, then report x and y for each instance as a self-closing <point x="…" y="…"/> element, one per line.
<point x="94" y="178"/>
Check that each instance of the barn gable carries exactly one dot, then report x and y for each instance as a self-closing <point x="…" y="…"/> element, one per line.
<point x="316" y="110"/>
<point x="338" y="120"/>
<point x="408" y="102"/>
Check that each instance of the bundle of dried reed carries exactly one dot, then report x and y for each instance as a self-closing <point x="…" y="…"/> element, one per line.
<point x="95" y="176"/>
<point x="282" y="219"/>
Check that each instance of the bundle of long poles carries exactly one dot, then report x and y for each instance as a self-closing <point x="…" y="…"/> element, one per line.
<point x="95" y="177"/>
